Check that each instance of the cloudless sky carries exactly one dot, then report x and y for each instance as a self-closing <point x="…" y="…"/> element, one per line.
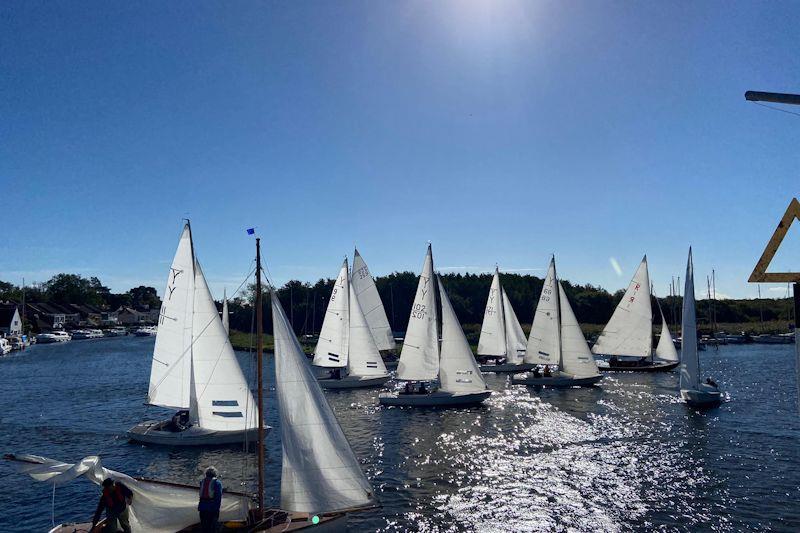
<point x="501" y="131"/>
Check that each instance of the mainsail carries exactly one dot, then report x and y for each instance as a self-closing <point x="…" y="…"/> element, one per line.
<point x="630" y="330"/>
<point x="419" y="358"/>
<point x="515" y="337"/>
<point x="332" y="345"/>
<point x="320" y="472"/>
<point x="458" y="371"/>
<point x="576" y="358"/>
<point x="690" y="362"/>
<point x="221" y="397"/>
<point x="544" y="345"/>
<point x="170" y="372"/>
<point x="371" y="304"/>
<point x="492" y="340"/>
<point x="363" y="358"/>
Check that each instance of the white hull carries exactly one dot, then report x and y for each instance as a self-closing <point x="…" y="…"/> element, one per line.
<point x="557" y="381"/>
<point x="353" y="382"/>
<point x="434" y="399"/>
<point x="522" y="367"/>
<point x="708" y="397"/>
<point x="153" y="432"/>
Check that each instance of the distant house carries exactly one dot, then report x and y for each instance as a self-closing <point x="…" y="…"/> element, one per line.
<point x="128" y="316"/>
<point x="109" y="318"/>
<point x="10" y="321"/>
<point x="89" y="315"/>
<point x="45" y="317"/>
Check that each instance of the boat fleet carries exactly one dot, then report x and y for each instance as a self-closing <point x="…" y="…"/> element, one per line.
<point x="195" y="372"/>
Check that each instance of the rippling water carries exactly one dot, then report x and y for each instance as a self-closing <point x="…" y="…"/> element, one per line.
<point x="623" y="456"/>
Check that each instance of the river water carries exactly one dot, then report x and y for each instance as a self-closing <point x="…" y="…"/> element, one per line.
<point x="625" y="456"/>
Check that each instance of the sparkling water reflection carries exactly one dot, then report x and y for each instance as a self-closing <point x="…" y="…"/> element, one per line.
<point x="624" y="456"/>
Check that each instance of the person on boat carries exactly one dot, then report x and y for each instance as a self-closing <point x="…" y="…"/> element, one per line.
<point x="407" y="388"/>
<point x="711" y="382"/>
<point x="612" y="361"/>
<point x="210" y="501"/>
<point x="422" y="388"/>
<point x="180" y="420"/>
<point x="114" y="499"/>
<point x="547" y="372"/>
<point x="536" y="372"/>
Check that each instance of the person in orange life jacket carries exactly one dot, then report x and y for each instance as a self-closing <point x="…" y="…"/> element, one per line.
<point x="115" y="499"/>
<point x="210" y="501"/>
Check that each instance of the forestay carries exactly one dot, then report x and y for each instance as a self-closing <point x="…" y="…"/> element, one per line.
<point x="371" y="304"/>
<point x="320" y="472"/>
<point x="363" y="357"/>
<point x="515" y="337"/>
<point x="492" y="340"/>
<point x="630" y="330"/>
<point x="690" y="362"/>
<point x="172" y="358"/>
<point x="576" y="358"/>
<point x="544" y="346"/>
<point x="419" y="358"/>
<point x="332" y="345"/>
<point x="458" y="371"/>
<point x="222" y="400"/>
<point x="156" y="507"/>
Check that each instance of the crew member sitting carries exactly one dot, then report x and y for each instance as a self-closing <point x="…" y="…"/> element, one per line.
<point x="180" y="420"/>
<point x="422" y="388"/>
<point x="407" y="388"/>
<point x="711" y="382"/>
<point x="547" y="372"/>
<point x="536" y="372"/>
<point x="115" y="499"/>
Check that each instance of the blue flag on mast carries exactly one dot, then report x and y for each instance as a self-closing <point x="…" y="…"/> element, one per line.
<point x="251" y="231"/>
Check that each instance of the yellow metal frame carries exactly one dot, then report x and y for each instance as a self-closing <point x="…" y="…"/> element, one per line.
<point x="760" y="273"/>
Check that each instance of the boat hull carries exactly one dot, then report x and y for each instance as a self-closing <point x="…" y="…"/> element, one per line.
<point x="523" y="367"/>
<point x="556" y="382"/>
<point x="701" y="398"/>
<point x="654" y="367"/>
<point x="353" y="382"/>
<point x="435" y="399"/>
<point x="154" y="432"/>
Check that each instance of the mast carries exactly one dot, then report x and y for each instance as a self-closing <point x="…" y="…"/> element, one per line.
<point x="558" y="315"/>
<point x="259" y="366"/>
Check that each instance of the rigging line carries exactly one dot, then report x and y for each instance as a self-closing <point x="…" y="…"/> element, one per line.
<point x="778" y="109"/>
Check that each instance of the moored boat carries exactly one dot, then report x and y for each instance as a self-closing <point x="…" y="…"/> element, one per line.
<point x="53" y="337"/>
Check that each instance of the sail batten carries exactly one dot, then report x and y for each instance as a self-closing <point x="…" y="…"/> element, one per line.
<point x="458" y="371"/>
<point x="333" y="344"/>
<point x="419" y="358"/>
<point x="371" y="304"/>
<point x="629" y="331"/>
<point x="320" y="472"/>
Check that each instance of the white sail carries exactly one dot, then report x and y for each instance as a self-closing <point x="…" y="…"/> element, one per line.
<point x="516" y="343"/>
<point x="544" y="346"/>
<point x="630" y="330"/>
<point x="576" y="358"/>
<point x="458" y="371"/>
<point x="363" y="358"/>
<point x="332" y="345"/>
<point x="221" y="400"/>
<point x="419" y="358"/>
<point x="172" y="358"/>
<point x="371" y="304"/>
<point x="665" y="350"/>
<point x="492" y="340"/>
<point x="320" y="472"/>
<point x="225" y="319"/>
<point x="690" y="362"/>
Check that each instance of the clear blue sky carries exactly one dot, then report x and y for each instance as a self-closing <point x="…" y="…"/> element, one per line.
<point x="500" y="131"/>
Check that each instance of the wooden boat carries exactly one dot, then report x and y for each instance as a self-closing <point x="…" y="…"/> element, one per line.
<point x="627" y="339"/>
<point x="556" y="339"/>
<point x="194" y="368"/>
<point x="502" y="339"/>
<point x="422" y="360"/>
<point x="346" y="343"/>
<point x="693" y="392"/>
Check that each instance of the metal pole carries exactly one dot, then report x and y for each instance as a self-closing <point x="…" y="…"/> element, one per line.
<point x="775" y="98"/>
<point x="797" y="338"/>
<point x="260" y="367"/>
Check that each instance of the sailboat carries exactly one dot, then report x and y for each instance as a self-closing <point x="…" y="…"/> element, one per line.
<point x="460" y="379"/>
<point x="556" y="339"/>
<point x="627" y="339"/>
<point x="502" y="338"/>
<point x="226" y="321"/>
<point x="693" y="392"/>
<point x="321" y="479"/>
<point x="194" y="368"/>
<point x="346" y="342"/>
